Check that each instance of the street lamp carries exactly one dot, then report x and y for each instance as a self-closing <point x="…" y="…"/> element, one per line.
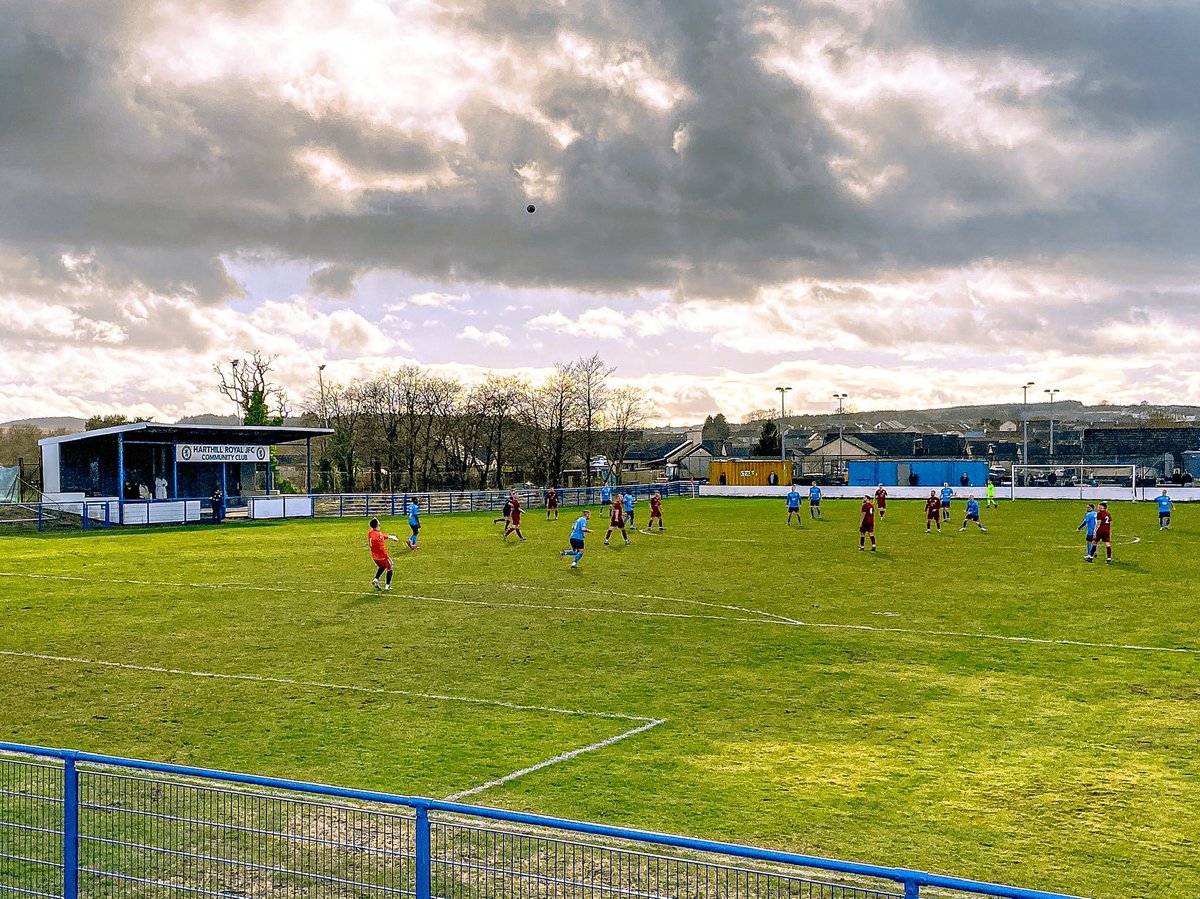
<point x="1025" y="424"/>
<point x="321" y="385"/>
<point x="841" y="424"/>
<point x="782" y="394"/>
<point x="1051" y="392"/>
<point x="237" y="403"/>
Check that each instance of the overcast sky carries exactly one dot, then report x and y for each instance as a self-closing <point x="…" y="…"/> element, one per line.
<point x="914" y="202"/>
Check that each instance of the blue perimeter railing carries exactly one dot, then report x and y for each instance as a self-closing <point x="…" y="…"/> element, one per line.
<point x="77" y="824"/>
<point x="86" y="514"/>
<point x="339" y="505"/>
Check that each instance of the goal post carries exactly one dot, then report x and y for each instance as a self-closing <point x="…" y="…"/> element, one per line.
<point x="1117" y="480"/>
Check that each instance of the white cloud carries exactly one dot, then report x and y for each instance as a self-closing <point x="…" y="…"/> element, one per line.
<point x="487" y="338"/>
<point x="431" y="299"/>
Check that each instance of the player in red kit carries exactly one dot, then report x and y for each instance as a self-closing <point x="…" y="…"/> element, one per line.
<point x="866" y="527"/>
<point x="1103" y="535"/>
<point x="933" y="511"/>
<point x="552" y="503"/>
<point x="655" y="511"/>
<point x="514" y="519"/>
<point x="881" y="501"/>
<point x="616" y="521"/>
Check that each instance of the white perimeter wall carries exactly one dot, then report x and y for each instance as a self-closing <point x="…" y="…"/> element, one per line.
<point x="1087" y="494"/>
<point x="291" y="506"/>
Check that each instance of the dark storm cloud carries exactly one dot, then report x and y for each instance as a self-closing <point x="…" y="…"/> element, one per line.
<point x="334" y="280"/>
<point x="160" y="182"/>
<point x="1129" y="70"/>
<point x="94" y="162"/>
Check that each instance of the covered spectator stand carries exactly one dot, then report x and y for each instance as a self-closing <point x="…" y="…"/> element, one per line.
<point x="151" y="472"/>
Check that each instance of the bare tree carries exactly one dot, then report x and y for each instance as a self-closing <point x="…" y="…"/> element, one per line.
<point x="501" y="399"/>
<point x="248" y="383"/>
<point x="627" y="411"/>
<point x="443" y="398"/>
<point x="347" y="408"/>
<point x="553" y="409"/>
<point x="591" y="386"/>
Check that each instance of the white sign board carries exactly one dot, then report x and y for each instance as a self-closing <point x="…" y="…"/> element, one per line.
<point x="221" y="452"/>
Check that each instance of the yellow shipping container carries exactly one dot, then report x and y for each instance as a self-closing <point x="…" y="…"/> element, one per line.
<point x="749" y="472"/>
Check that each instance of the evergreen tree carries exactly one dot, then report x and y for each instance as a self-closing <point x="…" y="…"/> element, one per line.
<point x="768" y="441"/>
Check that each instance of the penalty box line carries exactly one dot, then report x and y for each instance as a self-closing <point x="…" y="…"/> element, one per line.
<point x="637" y="613"/>
<point x="643" y="723"/>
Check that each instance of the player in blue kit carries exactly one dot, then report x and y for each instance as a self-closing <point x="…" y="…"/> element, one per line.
<point x="947" y="495"/>
<point x="793" y="504"/>
<point x="1164" y="511"/>
<point x="605" y="496"/>
<point x="814" y="501"/>
<point x="414" y="523"/>
<point x="1089" y="522"/>
<point x="577" y="532"/>
<point x="628" y="500"/>
<point x="972" y="514"/>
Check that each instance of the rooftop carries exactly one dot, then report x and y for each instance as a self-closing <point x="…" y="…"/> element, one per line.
<point x="256" y="435"/>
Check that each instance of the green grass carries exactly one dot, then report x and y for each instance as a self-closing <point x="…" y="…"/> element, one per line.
<point x="888" y="728"/>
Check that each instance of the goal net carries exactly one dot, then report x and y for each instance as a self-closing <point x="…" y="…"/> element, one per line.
<point x="1112" y="481"/>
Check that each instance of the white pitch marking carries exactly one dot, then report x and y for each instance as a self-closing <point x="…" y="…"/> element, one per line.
<point x="694" y="602"/>
<point x="646" y="723"/>
<point x="562" y="757"/>
<point x="641" y="614"/>
<point x="706" y="539"/>
<point x="1135" y="540"/>
<point x="320" y="685"/>
<point x="637" y="613"/>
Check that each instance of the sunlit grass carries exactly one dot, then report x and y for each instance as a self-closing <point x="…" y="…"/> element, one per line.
<point x="982" y="705"/>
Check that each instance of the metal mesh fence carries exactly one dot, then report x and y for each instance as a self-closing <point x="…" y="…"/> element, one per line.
<point x="366" y="504"/>
<point x="141" y="836"/>
<point x="477" y="862"/>
<point x="107" y="827"/>
<point x="31" y="828"/>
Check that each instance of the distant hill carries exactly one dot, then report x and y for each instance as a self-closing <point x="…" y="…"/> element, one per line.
<point x="63" y="423"/>
<point x="956" y="417"/>
<point x="208" y="420"/>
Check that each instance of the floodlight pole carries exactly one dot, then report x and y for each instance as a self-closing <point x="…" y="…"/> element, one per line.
<point x="782" y="393"/>
<point x="321" y="386"/>
<point x="841" y="426"/>
<point x="1051" y="392"/>
<point x="1025" y="424"/>
<point x="237" y="405"/>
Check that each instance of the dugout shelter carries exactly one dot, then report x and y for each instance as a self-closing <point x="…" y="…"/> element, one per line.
<point x="149" y="472"/>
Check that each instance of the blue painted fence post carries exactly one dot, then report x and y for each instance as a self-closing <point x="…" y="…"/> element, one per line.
<point x="423" y="855"/>
<point x="912" y="890"/>
<point x="70" y="851"/>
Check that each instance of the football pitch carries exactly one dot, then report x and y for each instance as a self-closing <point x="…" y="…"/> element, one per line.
<point x="981" y="705"/>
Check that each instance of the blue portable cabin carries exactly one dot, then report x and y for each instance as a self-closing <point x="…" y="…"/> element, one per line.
<point x="929" y="472"/>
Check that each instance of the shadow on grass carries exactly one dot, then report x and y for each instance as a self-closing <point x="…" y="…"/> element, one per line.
<point x="371" y="597"/>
